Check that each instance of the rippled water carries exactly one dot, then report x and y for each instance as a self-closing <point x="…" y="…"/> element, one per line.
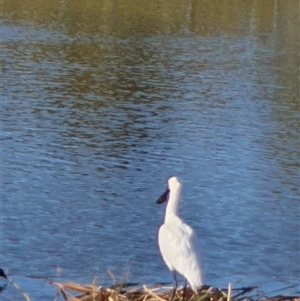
<point x="92" y="129"/>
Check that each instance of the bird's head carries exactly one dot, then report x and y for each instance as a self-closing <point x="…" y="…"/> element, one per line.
<point x="173" y="185"/>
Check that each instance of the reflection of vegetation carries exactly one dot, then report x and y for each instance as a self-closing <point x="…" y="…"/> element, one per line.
<point x="121" y="18"/>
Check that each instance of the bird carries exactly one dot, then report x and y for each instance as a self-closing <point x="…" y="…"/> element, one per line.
<point x="176" y="240"/>
<point x="2" y="274"/>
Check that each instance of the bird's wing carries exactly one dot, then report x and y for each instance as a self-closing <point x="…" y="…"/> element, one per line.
<point x="176" y="243"/>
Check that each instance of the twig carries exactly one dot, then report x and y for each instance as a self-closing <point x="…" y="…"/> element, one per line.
<point x="229" y="292"/>
<point x="152" y="294"/>
<point x="244" y="291"/>
<point x="27" y="298"/>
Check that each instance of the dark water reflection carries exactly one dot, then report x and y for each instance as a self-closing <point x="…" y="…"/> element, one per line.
<point x="92" y="128"/>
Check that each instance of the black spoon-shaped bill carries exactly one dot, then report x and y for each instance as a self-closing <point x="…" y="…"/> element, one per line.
<point x="163" y="197"/>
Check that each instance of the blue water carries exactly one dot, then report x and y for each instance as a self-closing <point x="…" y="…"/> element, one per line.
<point x="92" y="130"/>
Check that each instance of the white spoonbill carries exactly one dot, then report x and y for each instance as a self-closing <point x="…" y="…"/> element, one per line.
<point x="176" y="240"/>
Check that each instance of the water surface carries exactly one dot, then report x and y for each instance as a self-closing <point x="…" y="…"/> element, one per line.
<point x="93" y="124"/>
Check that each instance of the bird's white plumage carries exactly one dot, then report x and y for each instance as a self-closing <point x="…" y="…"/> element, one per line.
<point x="176" y="240"/>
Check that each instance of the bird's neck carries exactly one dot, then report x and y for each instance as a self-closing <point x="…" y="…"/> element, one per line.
<point x="172" y="206"/>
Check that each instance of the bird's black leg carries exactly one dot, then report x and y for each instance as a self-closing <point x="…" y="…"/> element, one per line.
<point x="175" y="287"/>
<point x="184" y="289"/>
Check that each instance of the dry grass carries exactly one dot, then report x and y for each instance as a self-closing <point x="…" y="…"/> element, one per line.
<point x="69" y="291"/>
<point x="79" y="292"/>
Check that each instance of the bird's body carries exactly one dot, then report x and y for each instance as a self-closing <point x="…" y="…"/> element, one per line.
<point x="176" y="239"/>
<point x="177" y="249"/>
